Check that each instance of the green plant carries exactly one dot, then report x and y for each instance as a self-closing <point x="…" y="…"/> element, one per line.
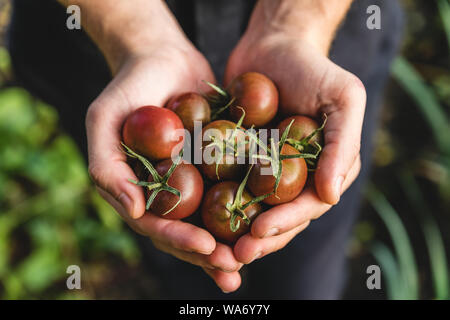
<point x="433" y="162"/>
<point x="401" y="268"/>
<point x="50" y="214"/>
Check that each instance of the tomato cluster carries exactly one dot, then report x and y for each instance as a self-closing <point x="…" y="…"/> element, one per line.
<point x="241" y="172"/>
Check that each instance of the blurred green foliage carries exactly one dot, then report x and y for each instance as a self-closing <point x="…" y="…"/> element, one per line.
<point x="50" y="215"/>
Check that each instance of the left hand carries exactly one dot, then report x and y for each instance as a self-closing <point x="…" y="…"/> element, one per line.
<point x="309" y="84"/>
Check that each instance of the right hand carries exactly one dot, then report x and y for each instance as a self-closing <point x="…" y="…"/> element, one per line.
<point x="151" y="76"/>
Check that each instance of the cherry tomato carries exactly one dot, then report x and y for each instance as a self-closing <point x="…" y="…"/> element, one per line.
<point x="216" y="217"/>
<point x="229" y="168"/>
<point x="301" y="128"/>
<point x="190" y="107"/>
<point x="257" y="95"/>
<point x="186" y="179"/>
<point x="293" y="178"/>
<point x="153" y="132"/>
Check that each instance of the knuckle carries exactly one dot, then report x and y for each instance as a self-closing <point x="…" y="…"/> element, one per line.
<point x="167" y="234"/>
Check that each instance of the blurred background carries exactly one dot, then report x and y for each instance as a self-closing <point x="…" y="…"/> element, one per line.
<point x="51" y="217"/>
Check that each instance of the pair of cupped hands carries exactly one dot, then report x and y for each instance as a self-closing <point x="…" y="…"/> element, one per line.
<point x="308" y="83"/>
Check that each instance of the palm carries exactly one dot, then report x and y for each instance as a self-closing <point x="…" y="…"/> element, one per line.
<point x="150" y="80"/>
<point x="309" y="84"/>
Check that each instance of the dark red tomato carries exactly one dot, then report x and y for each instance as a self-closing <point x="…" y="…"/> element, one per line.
<point x="190" y="107"/>
<point x="301" y="128"/>
<point x="257" y="95"/>
<point x="229" y="169"/>
<point x="293" y="178"/>
<point x="153" y="132"/>
<point x="216" y="217"/>
<point x="186" y="179"/>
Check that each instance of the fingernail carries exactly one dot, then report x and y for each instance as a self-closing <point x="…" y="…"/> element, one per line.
<point x="272" y="232"/>
<point x="256" y="257"/>
<point x="338" y="187"/>
<point x="210" y="267"/>
<point x="127" y="203"/>
<point x="225" y="291"/>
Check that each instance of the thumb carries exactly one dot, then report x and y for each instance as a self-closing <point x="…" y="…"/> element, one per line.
<point x="107" y="163"/>
<point x="342" y="135"/>
<point x="112" y="177"/>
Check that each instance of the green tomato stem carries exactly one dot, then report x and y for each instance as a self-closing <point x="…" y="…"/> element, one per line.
<point x="159" y="183"/>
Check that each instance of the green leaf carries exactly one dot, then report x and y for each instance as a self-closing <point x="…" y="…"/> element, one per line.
<point x="389" y="269"/>
<point x="400" y="239"/>
<point x="41" y="269"/>
<point x="425" y="99"/>
<point x="433" y="238"/>
<point x="444" y="11"/>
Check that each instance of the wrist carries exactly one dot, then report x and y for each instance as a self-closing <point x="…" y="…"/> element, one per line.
<point x="128" y="29"/>
<point x="310" y="22"/>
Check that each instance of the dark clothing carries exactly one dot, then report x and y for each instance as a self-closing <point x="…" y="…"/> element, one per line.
<point x="64" y="68"/>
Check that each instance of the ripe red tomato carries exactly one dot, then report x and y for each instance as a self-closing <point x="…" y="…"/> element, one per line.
<point x="186" y="179"/>
<point x="190" y="107"/>
<point x="257" y="95"/>
<point x="301" y="128"/>
<point x="228" y="168"/>
<point x="153" y="132"/>
<point x="216" y="217"/>
<point x="293" y="178"/>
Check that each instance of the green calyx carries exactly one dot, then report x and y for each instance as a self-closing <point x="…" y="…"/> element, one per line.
<point x="274" y="156"/>
<point x="219" y="102"/>
<point x="305" y="145"/>
<point x="237" y="208"/>
<point x="159" y="183"/>
<point x="228" y="146"/>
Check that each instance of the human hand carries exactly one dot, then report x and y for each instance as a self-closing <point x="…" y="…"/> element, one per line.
<point x="309" y="84"/>
<point x="148" y="69"/>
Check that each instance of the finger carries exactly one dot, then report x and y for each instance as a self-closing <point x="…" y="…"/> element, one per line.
<point x="190" y="257"/>
<point x="174" y="233"/>
<point x="227" y="282"/>
<point x="177" y="234"/>
<point x="285" y="217"/>
<point x="226" y="263"/>
<point x="223" y="258"/>
<point x="129" y="90"/>
<point x="307" y="206"/>
<point x="119" y="208"/>
<point x="248" y="248"/>
<point x="342" y="133"/>
<point x="107" y="163"/>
